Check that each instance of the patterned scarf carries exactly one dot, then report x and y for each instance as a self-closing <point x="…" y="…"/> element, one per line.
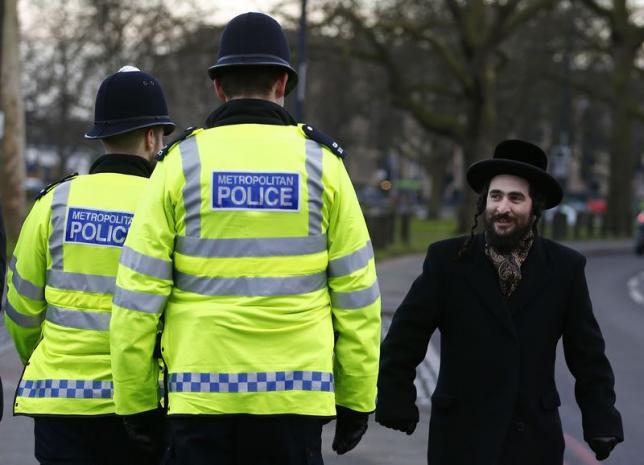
<point x="508" y="266"/>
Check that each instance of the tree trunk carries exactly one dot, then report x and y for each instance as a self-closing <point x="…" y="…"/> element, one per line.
<point x="436" y="168"/>
<point x="480" y="126"/>
<point x="13" y="165"/>
<point x="620" y="193"/>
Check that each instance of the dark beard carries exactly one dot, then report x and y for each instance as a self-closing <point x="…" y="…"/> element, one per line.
<point x="508" y="242"/>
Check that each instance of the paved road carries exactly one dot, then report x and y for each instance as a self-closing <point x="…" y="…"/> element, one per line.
<point x="615" y="281"/>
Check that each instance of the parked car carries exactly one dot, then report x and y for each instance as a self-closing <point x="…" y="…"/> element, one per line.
<point x="372" y="200"/>
<point x="33" y="187"/>
<point x="569" y="211"/>
<point x="639" y="234"/>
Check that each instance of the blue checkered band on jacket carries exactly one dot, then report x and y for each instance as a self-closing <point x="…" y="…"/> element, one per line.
<point x="251" y="382"/>
<point x="66" y="388"/>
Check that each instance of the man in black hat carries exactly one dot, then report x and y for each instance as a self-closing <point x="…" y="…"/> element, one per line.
<point x="61" y="281"/>
<point x="501" y="300"/>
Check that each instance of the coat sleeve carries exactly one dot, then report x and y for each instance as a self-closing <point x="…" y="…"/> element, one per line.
<point x="143" y="283"/>
<point x="405" y="345"/>
<point x="355" y="300"/>
<point x="25" y="304"/>
<point x="584" y="351"/>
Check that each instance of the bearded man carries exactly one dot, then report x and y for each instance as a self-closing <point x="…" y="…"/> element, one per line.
<point x="501" y="300"/>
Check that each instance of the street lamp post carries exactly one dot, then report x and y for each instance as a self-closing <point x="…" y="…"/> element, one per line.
<point x="301" y="55"/>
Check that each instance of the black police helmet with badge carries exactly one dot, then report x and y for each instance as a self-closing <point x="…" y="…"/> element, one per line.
<point x="254" y="39"/>
<point x="128" y="100"/>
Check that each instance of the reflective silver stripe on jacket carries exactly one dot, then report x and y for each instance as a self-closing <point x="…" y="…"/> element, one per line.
<point x="81" y="282"/>
<point x="24" y="321"/>
<point x="65" y="388"/>
<point x="315" y="188"/>
<point x="139" y="301"/>
<point x="356" y="299"/>
<point x="352" y="262"/>
<point x="79" y="319"/>
<point x="23" y="287"/>
<point x="146" y="265"/>
<point x="192" y="188"/>
<point x="251" y="247"/>
<point x="250" y="286"/>
<point x="58" y="217"/>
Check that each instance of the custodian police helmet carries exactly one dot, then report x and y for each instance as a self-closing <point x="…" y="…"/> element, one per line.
<point x="254" y="39"/>
<point x="127" y="100"/>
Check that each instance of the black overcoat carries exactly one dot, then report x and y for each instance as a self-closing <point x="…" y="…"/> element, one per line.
<point x="495" y="400"/>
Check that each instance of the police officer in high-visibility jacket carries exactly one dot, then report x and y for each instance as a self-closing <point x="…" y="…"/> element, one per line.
<point x="251" y="247"/>
<point x="61" y="281"/>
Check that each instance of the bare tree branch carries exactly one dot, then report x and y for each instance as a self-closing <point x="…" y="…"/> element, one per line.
<point x="520" y="16"/>
<point x="433" y="121"/>
<point x="598" y="9"/>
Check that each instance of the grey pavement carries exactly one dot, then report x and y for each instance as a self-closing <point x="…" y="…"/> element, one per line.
<point x="16" y="433"/>
<point x="386" y="447"/>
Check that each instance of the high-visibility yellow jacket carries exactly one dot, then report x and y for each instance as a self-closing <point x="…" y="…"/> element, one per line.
<point x="60" y="284"/>
<point x="251" y="244"/>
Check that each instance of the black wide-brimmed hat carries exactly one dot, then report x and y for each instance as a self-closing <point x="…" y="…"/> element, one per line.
<point x="254" y="39"/>
<point x="128" y="100"/>
<point x="518" y="158"/>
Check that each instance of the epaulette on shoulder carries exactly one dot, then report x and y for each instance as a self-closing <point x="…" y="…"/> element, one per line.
<point x="188" y="132"/>
<point x="321" y="138"/>
<point x="49" y="187"/>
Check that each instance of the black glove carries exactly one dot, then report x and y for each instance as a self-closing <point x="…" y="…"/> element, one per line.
<point x="146" y="433"/>
<point x="349" y="428"/>
<point x="395" y="420"/>
<point x="602" y="446"/>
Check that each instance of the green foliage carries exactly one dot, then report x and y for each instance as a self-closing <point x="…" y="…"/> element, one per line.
<point x="422" y="233"/>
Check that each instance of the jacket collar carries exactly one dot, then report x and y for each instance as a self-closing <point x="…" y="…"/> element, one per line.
<point x="483" y="278"/>
<point x="244" y="111"/>
<point x="122" y="164"/>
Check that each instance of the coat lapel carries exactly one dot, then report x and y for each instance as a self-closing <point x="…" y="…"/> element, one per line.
<point x="483" y="279"/>
<point x="533" y="277"/>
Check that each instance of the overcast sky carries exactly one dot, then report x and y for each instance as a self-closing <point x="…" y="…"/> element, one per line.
<point x="235" y="7"/>
<point x="224" y="10"/>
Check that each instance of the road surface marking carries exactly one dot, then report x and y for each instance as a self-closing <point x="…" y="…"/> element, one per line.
<point x="633" y="285"/>
<point x="427" y="371"/>
<point x="580" y="451"/>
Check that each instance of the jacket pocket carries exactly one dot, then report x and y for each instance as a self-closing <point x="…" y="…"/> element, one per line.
<point x="550" y="401"/>
<point x="441" y="400"/>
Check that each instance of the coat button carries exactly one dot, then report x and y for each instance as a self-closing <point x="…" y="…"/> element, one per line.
<point x="519" y="426"/>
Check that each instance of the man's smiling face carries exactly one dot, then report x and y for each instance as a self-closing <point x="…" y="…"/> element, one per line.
<point x="508" y="211"/>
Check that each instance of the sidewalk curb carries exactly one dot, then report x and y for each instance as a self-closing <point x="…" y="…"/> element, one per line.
<point x="594" y="248"/>
<point x="587" y="248"/>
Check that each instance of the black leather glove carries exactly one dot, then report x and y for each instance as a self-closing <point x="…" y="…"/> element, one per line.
<point x="395" y="420"/>
<point x="146" y="433"/>
<point x="349" y="428"/>
<point x="602" y="447"/>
